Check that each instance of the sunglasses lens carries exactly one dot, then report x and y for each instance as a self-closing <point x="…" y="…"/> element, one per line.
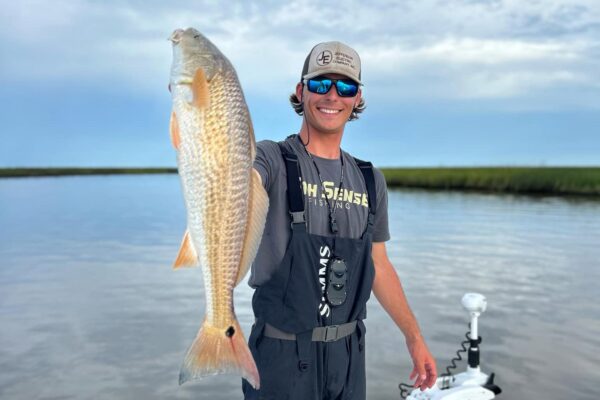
<point x="346" y="88"/>
<point x="320" y="86"/>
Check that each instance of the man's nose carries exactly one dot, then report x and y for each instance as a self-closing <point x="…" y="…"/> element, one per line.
<point x="332" y="94"/>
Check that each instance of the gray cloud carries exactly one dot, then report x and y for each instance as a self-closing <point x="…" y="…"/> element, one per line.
<point x="411" y="49"/>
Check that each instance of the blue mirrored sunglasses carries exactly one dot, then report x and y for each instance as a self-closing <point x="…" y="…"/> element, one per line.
<point x="344" y="87"/>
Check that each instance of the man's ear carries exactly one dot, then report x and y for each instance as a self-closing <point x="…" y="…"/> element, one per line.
<point x="358" y="98"/>
<point x="299" y="89"/>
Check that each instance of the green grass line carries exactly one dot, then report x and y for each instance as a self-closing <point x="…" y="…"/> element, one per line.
<point x="543" y="180"/>
<point x="39" y="172"/>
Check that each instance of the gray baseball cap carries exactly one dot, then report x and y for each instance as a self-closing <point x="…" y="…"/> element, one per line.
<point x="332" y="58"/>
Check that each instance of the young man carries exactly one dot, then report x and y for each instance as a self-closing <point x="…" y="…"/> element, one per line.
<point x="323" y="249"/>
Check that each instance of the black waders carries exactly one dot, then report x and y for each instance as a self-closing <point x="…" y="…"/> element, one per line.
<point x="308" y="339"/>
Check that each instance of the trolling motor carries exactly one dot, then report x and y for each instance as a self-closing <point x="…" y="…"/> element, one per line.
<point x="471" y="384"/>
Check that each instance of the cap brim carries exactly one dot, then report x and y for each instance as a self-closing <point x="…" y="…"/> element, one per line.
<point x="327" y="71"/>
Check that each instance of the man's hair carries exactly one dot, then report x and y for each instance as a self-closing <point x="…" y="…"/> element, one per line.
<point x="298" y="106"/>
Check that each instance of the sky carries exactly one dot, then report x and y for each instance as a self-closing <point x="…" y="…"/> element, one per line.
<point x="447" y="83"/>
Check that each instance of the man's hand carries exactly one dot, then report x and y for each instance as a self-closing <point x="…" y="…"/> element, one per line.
<point x="424" y="369"/>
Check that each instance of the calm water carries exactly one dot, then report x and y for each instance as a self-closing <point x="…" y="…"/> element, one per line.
<point x="90" y="308"/>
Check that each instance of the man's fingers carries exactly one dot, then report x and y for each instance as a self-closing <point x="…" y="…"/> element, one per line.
<point x="431" y="375"/>
<point x="430" y="381"/>
<point x="431" y="378"/>
<point x="413" y="374"/>
<point x="426" y="376"/>
<point x="421" y="375"/>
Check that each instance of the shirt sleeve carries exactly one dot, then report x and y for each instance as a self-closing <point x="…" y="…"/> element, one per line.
<point x="267" y="161"/>
<point x="381" y="231"/>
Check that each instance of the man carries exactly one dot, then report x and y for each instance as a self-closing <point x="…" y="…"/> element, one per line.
<point x="323" y="249"/>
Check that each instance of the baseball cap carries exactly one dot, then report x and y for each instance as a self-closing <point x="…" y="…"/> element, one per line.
<point x="332" y="58"/>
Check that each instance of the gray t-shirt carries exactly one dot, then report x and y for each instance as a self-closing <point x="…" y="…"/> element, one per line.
<point x="351" y="202"/>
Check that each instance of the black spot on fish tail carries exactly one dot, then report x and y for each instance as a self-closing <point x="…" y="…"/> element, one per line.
<point x="230" y="331"/>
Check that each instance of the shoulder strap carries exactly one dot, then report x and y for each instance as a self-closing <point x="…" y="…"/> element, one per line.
<point x="294" y="184"/>
<point x="367" y="170"/>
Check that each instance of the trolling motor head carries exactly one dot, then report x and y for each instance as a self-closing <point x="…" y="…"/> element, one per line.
<point x="474" y="302"/>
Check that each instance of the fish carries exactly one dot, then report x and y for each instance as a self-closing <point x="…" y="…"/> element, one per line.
<point x="211" y="131"/>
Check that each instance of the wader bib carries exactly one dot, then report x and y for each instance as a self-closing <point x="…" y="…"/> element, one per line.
<point x="306" y="348"/>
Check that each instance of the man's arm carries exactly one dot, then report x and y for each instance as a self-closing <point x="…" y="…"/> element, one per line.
<point x="388" y="290"/>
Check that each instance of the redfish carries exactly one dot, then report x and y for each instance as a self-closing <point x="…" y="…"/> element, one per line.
<point x="226" y="203"/>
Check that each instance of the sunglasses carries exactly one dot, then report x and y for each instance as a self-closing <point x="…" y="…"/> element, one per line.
<point x="343" y="87"/>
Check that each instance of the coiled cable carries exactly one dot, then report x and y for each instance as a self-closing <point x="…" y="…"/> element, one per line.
<point x="447" y="376"/>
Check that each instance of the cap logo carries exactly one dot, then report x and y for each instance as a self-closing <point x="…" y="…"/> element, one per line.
<point x="324" y="57"/>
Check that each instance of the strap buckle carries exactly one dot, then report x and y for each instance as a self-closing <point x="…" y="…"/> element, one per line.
<point x="331" y="333"/>
<point x="297" y="217"/>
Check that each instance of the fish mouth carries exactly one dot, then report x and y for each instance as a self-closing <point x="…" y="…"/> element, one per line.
<point x="176" y="35"/>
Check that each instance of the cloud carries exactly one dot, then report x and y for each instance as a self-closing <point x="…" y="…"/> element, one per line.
<point x="483" y="68"/>
<point x="414" y="50"/>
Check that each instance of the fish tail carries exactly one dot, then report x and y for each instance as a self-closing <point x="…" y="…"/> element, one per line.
<point x="216" y="350"/>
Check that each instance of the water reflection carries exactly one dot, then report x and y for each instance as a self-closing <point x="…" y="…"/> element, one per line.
<point x="90" y="307"/>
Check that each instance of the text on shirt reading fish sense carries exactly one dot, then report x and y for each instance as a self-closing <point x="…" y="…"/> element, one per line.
<point x="332" y="192"/>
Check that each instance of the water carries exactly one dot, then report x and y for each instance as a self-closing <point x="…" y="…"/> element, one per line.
<point x="90" y="308"/>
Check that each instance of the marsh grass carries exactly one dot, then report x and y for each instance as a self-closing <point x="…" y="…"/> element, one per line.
<point x="33" y="172"/>
<point x="542" y="180"/>
<point x="550" y="180"/>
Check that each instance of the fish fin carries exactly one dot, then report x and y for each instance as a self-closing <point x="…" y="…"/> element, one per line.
<point x="219" y="350"/>
<point x="258" y="205"/>
<point x="174" y="131"/>
<point x="187" y="256"/>
<point x="200" y="90"/>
